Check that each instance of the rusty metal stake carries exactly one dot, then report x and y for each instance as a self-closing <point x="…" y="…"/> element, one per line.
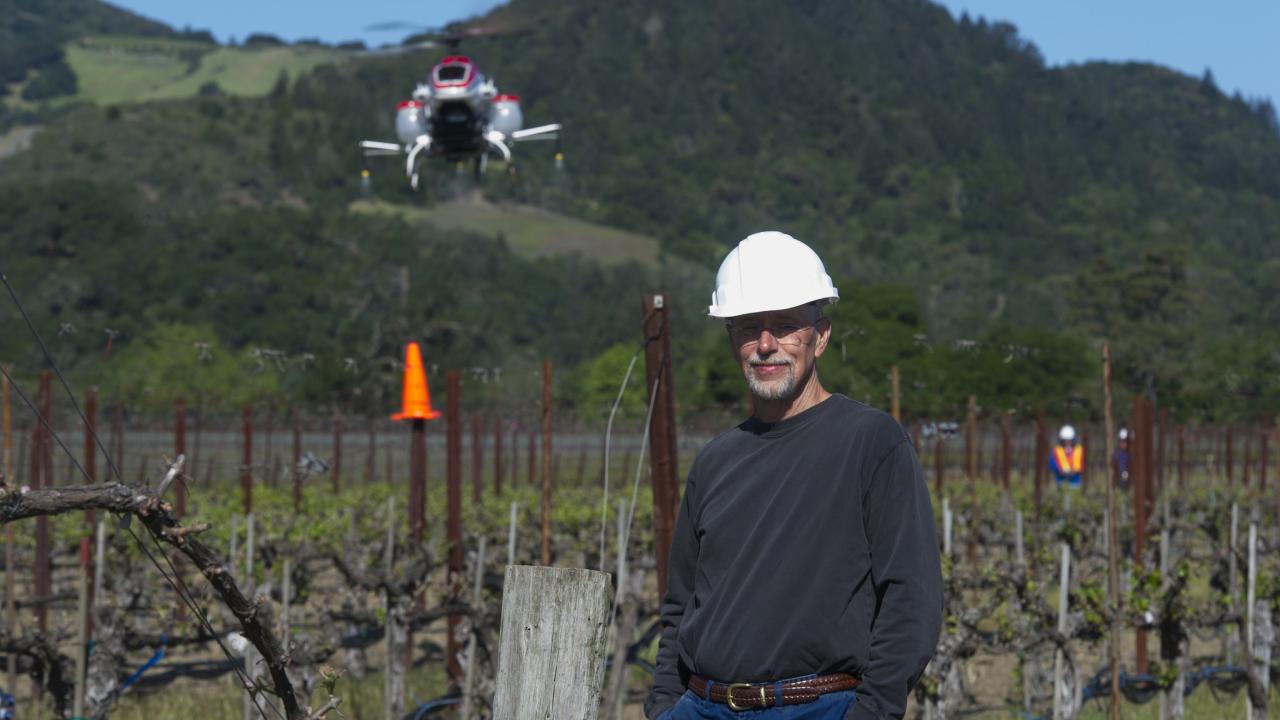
<point x="894" y="406"/>
<point x="663" y="462"/>
<point x="546" y="461"/>
<point x="337" y="451"/>
<point x="297" y="458"/>
<point x="477" y="461"/>
<point x="179" y="448"/>
<point x="971" y="469"/>
<point x="497" y="456"/>
<point x="246" y="461"/>
<point x="1113" y="539"/>
<point x="453" y="460"/>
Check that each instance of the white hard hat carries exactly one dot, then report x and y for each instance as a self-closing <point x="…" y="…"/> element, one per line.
<point x="1067" y="434"/>
<point x="1124" y="433"/>
<point x="770" y="271"/>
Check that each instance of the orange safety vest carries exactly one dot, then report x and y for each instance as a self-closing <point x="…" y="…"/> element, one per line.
<point x="1069" y="464"/>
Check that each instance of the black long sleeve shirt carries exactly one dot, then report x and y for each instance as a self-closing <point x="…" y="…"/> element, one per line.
<point x="804" y="546"/>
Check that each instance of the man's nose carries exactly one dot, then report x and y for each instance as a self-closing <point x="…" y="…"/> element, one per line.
<point x="768" y="344"/>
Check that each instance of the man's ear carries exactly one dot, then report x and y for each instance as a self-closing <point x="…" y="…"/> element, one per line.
<point x="823" y="326"/>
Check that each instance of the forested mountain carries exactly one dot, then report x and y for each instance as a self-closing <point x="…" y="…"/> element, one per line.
<point x="1126" y="202"/>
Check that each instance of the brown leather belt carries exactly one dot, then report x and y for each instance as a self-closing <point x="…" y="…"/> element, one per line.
<point x="752" y="696"/>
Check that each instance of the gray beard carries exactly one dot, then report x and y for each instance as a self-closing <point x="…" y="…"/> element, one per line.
<point x="779" y="389"/>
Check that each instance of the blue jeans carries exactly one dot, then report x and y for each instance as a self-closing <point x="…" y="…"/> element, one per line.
<point x="832" y="706"/>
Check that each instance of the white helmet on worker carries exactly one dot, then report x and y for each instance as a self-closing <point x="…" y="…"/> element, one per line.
<point x="770" y="271"/>
<point x="1067" y="434"/>
<point x="1124" y="433"/>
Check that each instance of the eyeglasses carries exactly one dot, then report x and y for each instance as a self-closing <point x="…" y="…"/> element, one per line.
<point x="788" y="333"/>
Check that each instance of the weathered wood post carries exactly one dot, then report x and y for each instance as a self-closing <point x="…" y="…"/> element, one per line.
<point x="511" y="533"/>
<point x="468" y="686"/>
<point x="1259" y="633"/>
<point x="552" y="644"/>
<point x="1233" y="543"/>
<point x="1061" y="692"/>
<point x="1018" y="552"/>
<point x="946" y="526"/>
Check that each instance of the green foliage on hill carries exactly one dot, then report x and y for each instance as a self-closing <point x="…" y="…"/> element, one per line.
<point x="33" y="32"/>
<point x="320" y="301"/>
<point x="995" y="219"/>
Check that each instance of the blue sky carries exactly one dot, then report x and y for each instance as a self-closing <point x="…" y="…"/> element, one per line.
<point x="1239" y="40"/>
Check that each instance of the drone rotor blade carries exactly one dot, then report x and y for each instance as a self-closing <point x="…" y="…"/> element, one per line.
<point x="374" y="147"/>
<point x="542" y="132"/>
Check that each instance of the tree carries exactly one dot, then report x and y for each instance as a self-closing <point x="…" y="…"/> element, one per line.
<point x="173" y="360"/>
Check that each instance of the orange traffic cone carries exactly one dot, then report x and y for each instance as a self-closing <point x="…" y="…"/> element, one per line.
<point x="417" y="399"/>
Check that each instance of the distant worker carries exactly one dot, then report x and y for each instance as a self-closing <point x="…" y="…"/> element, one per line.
<point x="1067" y="461"/>
<point x="804" y="579"/>
<point x="1121" y="460"/>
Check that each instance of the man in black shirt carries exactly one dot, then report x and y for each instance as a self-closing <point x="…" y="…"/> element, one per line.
<point x="804" y="572"/>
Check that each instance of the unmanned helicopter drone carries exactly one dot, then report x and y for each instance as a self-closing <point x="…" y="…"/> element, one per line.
<point x="459" y="116"/>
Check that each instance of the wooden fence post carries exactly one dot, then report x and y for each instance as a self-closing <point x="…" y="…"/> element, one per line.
<point x="552" y="646"/>
<point x="1259" y="632"/>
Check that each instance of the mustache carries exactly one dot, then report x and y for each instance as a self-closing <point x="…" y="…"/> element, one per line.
<point x="757" y="360"/>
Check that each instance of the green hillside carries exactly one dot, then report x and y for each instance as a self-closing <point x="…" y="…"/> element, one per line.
<point x="33" y="34"/>
<point x="113" y="69"/>
<point x="527" y="229"/>
<point x="999" y="204"/>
